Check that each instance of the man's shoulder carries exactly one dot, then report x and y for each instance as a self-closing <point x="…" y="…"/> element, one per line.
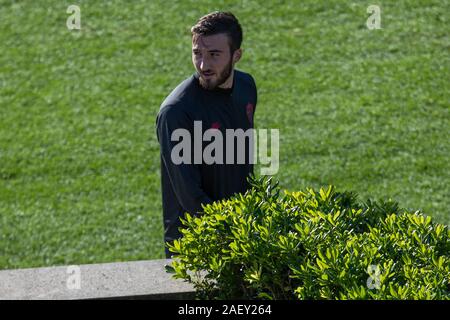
<point x="244" y="78"/>
<point x="182" y="95"/>
<point x="176" y="106"/>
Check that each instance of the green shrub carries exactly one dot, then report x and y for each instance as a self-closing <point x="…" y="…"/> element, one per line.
<point x="312" y="245"/>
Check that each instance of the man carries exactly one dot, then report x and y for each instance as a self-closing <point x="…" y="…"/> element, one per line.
<point x="221" y="98"/>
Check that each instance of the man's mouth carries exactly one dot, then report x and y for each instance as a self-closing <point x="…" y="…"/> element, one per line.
<point x="207" y="74"/>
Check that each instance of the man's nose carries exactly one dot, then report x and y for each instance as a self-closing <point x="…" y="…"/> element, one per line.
<point x="204" y="65"/>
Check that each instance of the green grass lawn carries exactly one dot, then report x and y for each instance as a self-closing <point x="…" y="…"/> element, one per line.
<point x="364" y="110"/>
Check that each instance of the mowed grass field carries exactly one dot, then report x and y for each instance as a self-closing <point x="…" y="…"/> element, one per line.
<point x="364" y="110"/>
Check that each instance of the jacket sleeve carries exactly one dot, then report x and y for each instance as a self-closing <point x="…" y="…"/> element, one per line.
<point x="184" y="178"/>
<point x="256" y="94"/>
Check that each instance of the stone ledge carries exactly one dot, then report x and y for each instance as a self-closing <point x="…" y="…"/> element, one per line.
<point x="121" y="280"/>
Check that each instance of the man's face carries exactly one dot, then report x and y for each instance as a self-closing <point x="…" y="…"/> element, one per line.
<point x="213" y="61"/>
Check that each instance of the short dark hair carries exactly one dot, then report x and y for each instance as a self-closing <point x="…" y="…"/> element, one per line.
<point x="220" y="22"/>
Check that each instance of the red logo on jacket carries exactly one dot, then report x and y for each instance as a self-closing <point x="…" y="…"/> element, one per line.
<point x="249" y="110"/>
<point x="215" y="125"/>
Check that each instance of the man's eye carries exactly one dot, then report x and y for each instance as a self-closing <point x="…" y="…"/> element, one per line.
<point x="214" y="54"/>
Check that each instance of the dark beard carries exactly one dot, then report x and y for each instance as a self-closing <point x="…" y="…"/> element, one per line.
<point x="221" y="80"/>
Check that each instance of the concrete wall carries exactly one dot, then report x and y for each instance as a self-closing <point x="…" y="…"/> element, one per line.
<point x="122" y="280"/>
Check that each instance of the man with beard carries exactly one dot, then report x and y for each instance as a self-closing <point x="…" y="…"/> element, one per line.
<point x="221" y="98"/>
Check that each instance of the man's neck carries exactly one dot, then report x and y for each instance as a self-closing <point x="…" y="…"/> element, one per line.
<point x="229" y="83"/>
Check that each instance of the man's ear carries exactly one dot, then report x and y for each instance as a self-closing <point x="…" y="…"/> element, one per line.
<point x="237" y="55"/>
